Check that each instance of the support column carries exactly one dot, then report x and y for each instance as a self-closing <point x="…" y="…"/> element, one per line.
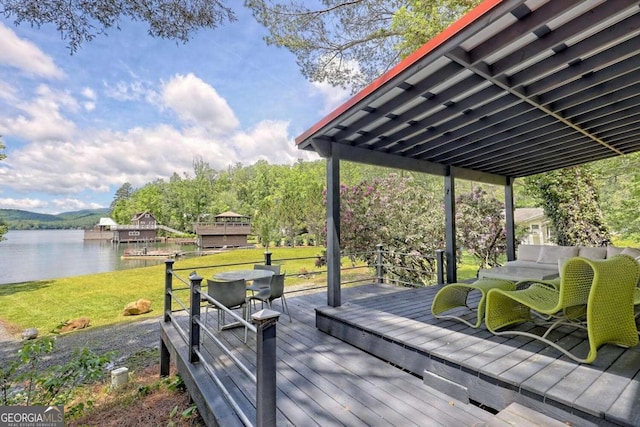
<point x="509" y="209"/>
<point x="450" y="225"/>
<point x="333" y="228"/>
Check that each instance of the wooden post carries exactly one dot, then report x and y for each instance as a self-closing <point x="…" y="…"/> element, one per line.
<point x="510" y="220"/>
<point x="165" y="355"/>
<point x="265" y="321"/>
<point x="450" y="225"/>
<point x="379" y="267"/>
<point x="333" y="228"/>
<point x="440" y="266"/>
<point x="168" y="280"/>
<point x="194" y="316"/>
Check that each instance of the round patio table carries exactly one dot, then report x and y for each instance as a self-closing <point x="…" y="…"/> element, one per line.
<point x="243" y="274"/>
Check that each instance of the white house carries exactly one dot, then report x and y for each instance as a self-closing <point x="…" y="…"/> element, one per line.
<point x="536" y="224"/>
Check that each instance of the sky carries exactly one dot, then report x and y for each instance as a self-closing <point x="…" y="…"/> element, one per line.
<point x="127" y="107"/>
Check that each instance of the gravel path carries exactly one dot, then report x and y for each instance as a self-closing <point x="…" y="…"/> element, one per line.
<point x="125" y="338"/>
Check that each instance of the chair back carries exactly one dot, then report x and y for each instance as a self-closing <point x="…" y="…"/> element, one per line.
<point x="277" y="286"/>
<point x="576" y="277"/>
<point x="228" y="293"/>
<point x="274" y="268"/>
<point x="610" y="313"/>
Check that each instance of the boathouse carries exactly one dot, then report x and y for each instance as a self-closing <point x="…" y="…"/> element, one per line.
<point x="143" y="228"/>
<point x="101" y="231"/>
<point x="228" y="229"/>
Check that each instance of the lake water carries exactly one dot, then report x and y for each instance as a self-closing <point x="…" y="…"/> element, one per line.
<point x="28" y="255"/>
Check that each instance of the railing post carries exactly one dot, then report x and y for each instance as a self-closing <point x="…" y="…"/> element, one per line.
<point x="168" y="283"/>
<point x="267" y="258"/>
<point x="165" y="355"/>
<point x="379" y="267"/>
<point x="194" y="317"/>
<point x="440" y="265"/>
<point x="265" y="321"/>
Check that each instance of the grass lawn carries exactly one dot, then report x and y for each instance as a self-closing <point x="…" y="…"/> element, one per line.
<point x="102" y="297"/>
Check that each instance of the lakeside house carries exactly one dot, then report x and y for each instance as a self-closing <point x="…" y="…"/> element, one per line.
<point x="101" y="231"/>
<point x="228" y="229"/>
<point x="143" y="228"/>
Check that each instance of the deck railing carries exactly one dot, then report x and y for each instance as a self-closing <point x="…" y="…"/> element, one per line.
<point x="264" y="322"/>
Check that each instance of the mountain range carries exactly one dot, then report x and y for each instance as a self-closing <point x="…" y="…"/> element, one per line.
<point x="24" y="220"/>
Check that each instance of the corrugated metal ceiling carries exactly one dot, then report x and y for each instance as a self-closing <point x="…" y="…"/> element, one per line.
<point x="522" y="88"/>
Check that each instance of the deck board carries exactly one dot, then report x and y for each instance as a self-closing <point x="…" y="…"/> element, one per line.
<point x="323" y="381"/>
<point x="522" y="369"/>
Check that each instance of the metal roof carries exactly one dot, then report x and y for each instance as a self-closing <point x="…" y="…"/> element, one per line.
<point x="514" y="88"/>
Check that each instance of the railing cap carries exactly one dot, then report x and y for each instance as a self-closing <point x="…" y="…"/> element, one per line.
<point x="265" y="315"/>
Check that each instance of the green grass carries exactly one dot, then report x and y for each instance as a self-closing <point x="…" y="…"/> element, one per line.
<point x="102" y="297"/>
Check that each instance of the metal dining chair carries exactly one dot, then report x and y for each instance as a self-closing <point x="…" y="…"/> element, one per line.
<point x="230" y="294"/>
<point x="275" y="291"/>
<point x="264" y="282"/>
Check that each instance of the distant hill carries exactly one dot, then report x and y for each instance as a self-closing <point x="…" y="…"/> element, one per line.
<point x="24" y="220"/>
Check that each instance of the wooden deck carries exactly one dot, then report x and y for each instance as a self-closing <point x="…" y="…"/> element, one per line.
<point x="394" y="364"/>
<point x="323" y="381"/>
<point x="474" y="365"/>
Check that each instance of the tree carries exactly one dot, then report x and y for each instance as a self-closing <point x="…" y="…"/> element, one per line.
<point x="79" y="21"/>
<point x="398" y="213"/>
<point x="123" y="193"/>
<point x="349" y="43"/>
<point x="570" y="201"/>
<point x="480" y="226"/>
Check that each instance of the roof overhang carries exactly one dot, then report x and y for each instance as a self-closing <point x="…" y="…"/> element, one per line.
<point x="512" y="89"/>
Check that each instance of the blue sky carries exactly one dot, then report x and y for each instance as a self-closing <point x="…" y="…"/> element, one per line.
<point x="131" y="108"/>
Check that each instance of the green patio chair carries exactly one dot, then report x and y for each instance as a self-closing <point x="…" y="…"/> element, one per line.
<point x="455" y="295"/>
<point x="597" y="295"/>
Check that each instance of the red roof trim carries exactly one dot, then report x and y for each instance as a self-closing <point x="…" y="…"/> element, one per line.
<point x="453" y="29"/>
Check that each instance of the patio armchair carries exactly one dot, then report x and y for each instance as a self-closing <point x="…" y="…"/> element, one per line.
<point x="596" y="295"/>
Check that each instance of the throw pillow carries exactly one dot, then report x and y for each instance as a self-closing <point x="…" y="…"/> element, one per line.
<point x="613" y="250"/>
<point x="551" y="254"/>
<point x="592" y="253"/>
<point x="528" y="252"/>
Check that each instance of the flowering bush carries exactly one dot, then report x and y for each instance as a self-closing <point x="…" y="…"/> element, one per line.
<point x="480" y="227"/>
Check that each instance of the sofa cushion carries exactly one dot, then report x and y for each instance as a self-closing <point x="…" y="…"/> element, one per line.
<point x="529" y="252"/>
<point x="613" y="250"/>
<point x="592" y="253"/>
<point x="531" y="264"/>
<point x="551" y="254"/>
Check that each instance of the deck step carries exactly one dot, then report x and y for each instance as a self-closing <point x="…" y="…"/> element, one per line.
<point x="521" y="416"/>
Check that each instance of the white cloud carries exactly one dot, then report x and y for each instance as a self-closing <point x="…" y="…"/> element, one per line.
<point x="24" y="55"/>
<point x="70" y="205"/>
<point x="8" y="92"/>
<point x="90" y="103"/>
<point x="41" y="118"/>
<point x="100" y="160"/>
<point x="135" y="90"/>
<point x="332" y="96"/>
<point x="89" y="93"/>
<point x="197" y="103"/>
<point x="23" y="204"/>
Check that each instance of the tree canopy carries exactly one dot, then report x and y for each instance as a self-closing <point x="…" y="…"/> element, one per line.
<point x="349" y="43"/>
<point x="79" y="21"/>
